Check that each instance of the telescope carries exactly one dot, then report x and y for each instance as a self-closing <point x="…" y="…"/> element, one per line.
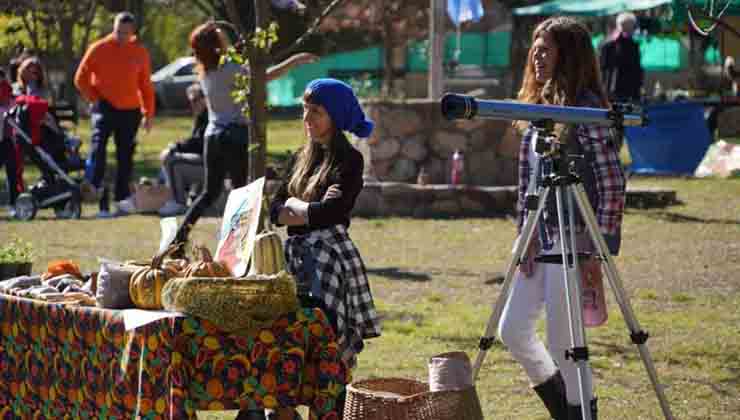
<point x="456" y="106"/>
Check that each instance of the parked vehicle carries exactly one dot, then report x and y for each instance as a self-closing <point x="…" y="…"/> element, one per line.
<point x="171" y="82"/>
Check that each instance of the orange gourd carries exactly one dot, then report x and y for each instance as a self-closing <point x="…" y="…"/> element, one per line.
<point x="206" y="267"/>
<point x="147" y="282"/>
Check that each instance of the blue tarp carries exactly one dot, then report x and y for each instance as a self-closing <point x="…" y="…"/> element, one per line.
<point x="674" y="141"/>
<point x="464" y="10"/>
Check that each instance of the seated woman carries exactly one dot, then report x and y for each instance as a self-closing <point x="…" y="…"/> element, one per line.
<point x="315" y="201"/>
<point x="182" y="162"/>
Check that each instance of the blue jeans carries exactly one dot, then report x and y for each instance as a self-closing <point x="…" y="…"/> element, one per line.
<point x="123" y="124"/>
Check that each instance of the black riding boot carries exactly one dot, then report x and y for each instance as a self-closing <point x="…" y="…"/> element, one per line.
<point x="574" y="411"/>
<point x="552" y="394"/>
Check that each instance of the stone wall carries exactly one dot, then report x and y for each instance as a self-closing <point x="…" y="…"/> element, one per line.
<point x="379" y="199"/>
<point x="412" y="136"/>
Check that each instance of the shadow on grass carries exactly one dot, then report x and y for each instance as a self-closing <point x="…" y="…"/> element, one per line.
<point x="682" y="218"/>
<point x="394" y="273"/>
<point x="463" y="341"/>
<point x="402" y="316"/>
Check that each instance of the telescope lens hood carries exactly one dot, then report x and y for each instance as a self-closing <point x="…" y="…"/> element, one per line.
<point x="456" y="106"/>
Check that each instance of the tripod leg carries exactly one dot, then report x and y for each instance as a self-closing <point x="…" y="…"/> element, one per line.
<point x="638" y="336"/>
<point x="524" y="239"/>
<point x="578" y="351"/>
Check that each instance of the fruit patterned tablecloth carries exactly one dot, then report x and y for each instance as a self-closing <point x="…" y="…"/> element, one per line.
<point x="61" y="361"/>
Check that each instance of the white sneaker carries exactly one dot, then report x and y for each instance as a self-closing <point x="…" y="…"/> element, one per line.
<point x="125" y="207"/>
<point x="172" y="208"/>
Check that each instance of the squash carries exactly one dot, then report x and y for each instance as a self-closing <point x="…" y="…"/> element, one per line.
<point x="267" y="256"/>
<point x="206" y="267"/>
<point x="147" y="282"/>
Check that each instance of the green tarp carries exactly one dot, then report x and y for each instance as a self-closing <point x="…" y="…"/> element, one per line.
<point x="587" y="7"/>
<point x="612" y="7"/>
<point x="362" y="68"/>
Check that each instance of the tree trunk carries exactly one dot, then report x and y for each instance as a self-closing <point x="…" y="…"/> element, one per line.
<point x="66" y="36"/>
<point x="258" y="63"/>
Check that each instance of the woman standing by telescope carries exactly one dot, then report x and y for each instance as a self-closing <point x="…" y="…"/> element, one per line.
<point x="562" y="70"/>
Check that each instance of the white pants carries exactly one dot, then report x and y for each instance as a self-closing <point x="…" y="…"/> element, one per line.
<point x="545" y="288"/>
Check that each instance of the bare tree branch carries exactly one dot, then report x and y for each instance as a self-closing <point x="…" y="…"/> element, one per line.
<point x="207" y="8"/>
<point x="315" y="27"/>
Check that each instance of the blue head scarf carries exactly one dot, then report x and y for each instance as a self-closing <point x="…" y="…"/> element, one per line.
<point x="341" y="103"/>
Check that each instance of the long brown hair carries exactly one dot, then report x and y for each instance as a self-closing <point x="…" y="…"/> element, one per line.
<point x="576" y="70"/>
<point x="208" y="43"/>
<point x="305" y="182"/>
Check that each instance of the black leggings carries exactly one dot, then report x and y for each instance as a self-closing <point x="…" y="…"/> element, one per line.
<point x="224" y="153"/>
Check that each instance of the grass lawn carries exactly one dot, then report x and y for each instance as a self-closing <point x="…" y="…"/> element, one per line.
<point x="435" y="282"/>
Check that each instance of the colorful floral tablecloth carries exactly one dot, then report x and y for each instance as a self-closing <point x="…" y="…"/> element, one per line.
<point x="78" y="362"/>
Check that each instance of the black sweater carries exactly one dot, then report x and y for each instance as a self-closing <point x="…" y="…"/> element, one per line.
<point x="347" y="173"/>
<point x="194" y="143"/>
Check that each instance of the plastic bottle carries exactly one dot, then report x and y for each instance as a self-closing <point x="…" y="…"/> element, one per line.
<point x="457" y="168"/>
<point x="594" y="301"/>
<point x="658" y="91"/>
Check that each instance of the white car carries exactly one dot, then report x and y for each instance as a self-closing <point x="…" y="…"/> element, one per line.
<point x="171" y="82"/>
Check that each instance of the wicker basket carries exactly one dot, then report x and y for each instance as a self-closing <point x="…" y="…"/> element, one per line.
<point x="233" y="304"/>
<point x="406" y="399"/>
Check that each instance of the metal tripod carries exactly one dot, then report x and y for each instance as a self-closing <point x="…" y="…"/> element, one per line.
<point x="565" y="183"/>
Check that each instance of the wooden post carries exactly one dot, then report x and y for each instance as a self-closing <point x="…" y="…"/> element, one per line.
<point x="436" y="49"/>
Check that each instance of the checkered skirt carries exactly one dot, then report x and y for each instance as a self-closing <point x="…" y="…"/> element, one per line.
<point x="328" y="267"/>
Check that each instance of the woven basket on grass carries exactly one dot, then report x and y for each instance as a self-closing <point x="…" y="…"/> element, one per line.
<point x="406" y="399"/>
<point x="243" y="304"/>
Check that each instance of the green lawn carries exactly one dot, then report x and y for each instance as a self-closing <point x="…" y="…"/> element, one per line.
<point x="435" y="281"/>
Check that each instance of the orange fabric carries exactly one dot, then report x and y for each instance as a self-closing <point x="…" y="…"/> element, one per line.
<point x="120" y="73"/>
<point x="59" y="267"/>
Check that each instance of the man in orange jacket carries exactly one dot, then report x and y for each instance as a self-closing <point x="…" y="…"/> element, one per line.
<point x="115" y="77"/>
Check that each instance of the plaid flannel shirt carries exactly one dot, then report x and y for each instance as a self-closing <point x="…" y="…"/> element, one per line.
<point x="608" y="175"/>
<point x="328" y="266"/>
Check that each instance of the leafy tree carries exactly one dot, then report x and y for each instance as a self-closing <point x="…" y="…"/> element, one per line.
<point x="395" y="23"/>
<point x="62" y="25"/>
<point x="257" y="41"/>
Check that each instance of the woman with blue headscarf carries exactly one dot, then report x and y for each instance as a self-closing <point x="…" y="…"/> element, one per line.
<point x="315" y="201"/>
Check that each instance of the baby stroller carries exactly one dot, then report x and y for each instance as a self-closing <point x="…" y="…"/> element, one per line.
<point x="56" y="153"/>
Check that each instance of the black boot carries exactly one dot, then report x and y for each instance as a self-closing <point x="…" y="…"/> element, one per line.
<point x="574" y="411"/>
<point x="552" y="393"/>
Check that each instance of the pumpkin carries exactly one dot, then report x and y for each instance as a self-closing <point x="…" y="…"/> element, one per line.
<point x="206" y="267"/>
<point x="267" y="255"/>
<point x="147" y="282"/>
